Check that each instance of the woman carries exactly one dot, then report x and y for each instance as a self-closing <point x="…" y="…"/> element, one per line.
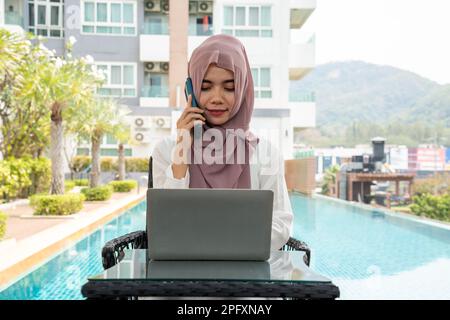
<point x="223" y="86"/>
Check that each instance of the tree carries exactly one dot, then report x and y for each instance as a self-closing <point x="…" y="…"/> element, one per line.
<point x="92" y="121"/>
<point x="329" y="179"/>
<point x="62" y="83"/>
<point x="121" y="131"/>
<point x="24" y="127"/>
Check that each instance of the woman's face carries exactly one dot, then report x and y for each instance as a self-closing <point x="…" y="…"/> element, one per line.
<point x="217" y="95"/>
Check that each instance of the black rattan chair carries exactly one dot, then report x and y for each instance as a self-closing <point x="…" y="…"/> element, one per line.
<point x="112" y="252"/>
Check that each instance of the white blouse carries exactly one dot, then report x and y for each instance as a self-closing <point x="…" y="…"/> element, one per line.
<point x="266" y="173"/>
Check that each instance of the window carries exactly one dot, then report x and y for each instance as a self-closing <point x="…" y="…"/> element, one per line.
<point x="156" y="23"/>
<point x="247" y="21"/>
<point x="109" y="17"/>
<point x="113" y="152"/>
<point x="156" y="85"/>
<point x="120" y="79"/>
<point x="105" y="152"/>
<point x="82" y="151"/>
<point x="262" y="82"/>
<point x="46" y="18"/>
<point x="200" y="25"/>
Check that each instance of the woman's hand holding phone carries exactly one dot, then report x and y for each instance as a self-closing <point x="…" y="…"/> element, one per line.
<point x="189" y="116"/>
<point x="185" y="123"/>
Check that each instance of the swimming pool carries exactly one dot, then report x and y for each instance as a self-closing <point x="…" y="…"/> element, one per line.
<point x="369" y="255"/>
<point x="374" y="255"/>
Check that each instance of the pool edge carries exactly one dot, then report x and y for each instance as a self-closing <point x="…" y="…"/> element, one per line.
<point x="75" y="230"/>
<point x="401" y="215"/>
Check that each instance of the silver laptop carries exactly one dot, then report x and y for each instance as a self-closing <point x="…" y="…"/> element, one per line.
<point x="209" y="224"/>
<point x="215" y="270"/>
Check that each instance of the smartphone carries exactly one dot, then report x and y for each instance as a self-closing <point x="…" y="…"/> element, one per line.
<point x="189" y="90"/>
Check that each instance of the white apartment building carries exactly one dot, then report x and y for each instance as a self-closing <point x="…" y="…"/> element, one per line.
<point x="143" y="47"/>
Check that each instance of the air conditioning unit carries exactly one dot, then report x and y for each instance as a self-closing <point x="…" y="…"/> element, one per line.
<point x="141" y="123"/>
<point x="205" y="7"/>
<point x="164" y="66"/>
<point x="142" y="137"/>
<point x="165" y="6"/>
<point x="152" y="67"/>
<point x="193" y="7"/>
<point x="162" y="122"/>
<point x="153" y="6"/>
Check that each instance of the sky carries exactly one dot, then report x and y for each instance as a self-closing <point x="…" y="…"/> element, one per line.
<point x="413" y="35"/>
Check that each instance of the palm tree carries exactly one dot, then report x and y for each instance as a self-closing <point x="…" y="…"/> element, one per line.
<point x="12" y="48"/>
<point x="121" y="131"/>
<point x="64" y="83"/>
<point x="92" y="121"/>
<point x="329" y="179"/>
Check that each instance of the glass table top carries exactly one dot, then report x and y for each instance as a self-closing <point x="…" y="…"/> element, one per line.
<point x="281" y="266"/>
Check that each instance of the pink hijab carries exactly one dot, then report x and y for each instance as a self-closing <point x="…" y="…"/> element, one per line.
<point x="228" y="53"/>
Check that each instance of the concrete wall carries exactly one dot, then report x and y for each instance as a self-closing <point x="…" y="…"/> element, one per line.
<point x="178" y="26"/>
<point x="300" y="175"/>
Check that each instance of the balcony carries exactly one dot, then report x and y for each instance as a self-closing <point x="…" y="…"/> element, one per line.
<point x="154" y="96"/>
<point x="303" y="108"/>
<point x="200" y="25"/>
<point x="155" y="27"/>
<point x="195" y="29"/>
<point x="300" y="12"/>
<point x="301" y="59"/>
<point x="155" y="91"/>
<point x="303" y="114"/>
<point x="155" y="47"/>
<point x="13" y="18"/>
<point x="299" y="96"/>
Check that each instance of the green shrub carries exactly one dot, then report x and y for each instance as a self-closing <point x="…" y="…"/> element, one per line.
<point x="424" y="187"/>
<point x="136" y="164"/>
<point x="108" y="164"/>
<point x="435" y="207"/>
<point x="68" y="185"/>
<point x="20" y="178"/>
<point x="14" y="177"/>
<point x="438" y="184"/>
<point x="123" y="186"/>
<point x="9" y="184"/>
<point x="81" y="163"/>
<point x="40" y="176"/>
<point x="81" y="182"/>
<point x="3" y="218"/>
<point x="100" y="193"/>
<point x="60" y="205"/>
<point x="34" y="198"/>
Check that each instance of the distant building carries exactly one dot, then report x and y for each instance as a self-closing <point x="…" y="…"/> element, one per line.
<point x="426" y="158"/>
<point x="328" y="157"/>
<point x="397" y="157"/>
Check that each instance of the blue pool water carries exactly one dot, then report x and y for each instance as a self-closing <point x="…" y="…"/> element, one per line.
<point x="369" y="255"/>
<point x="373" y="255"/>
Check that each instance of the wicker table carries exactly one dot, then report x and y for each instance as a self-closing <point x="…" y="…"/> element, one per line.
<point x="284" y="275"/>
